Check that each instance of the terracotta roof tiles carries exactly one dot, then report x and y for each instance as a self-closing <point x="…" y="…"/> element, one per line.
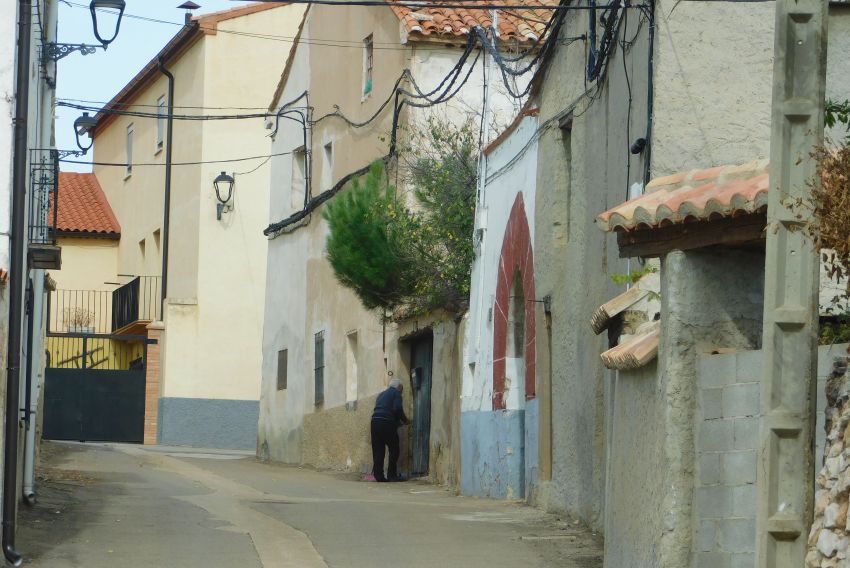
<point x="698" y="195"/>
<point x="525" y="25"/>
<point x="83" y="207"/>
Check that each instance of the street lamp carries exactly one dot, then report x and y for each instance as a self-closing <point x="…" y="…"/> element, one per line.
<point x="85" y="125"/>
<point x="117" y="5"/>
<point x="222" y="182"/>
<point x="56" y="51"/>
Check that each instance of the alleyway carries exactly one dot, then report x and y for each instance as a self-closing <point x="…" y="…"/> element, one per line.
<point x="126" y="506"/>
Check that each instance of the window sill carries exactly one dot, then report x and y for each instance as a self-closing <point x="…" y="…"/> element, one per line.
<point x="158" y="151"/>
<point x="128" y="176"/>
<point x="365" y="97"/>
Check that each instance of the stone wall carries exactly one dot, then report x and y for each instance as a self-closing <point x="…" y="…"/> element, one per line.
<point x="829" y="539"/>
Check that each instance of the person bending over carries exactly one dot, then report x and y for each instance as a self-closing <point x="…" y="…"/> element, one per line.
<point x="386" y="418"/>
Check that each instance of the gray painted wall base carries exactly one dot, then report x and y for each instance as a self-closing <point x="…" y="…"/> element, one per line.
<point x="209" y="423"/>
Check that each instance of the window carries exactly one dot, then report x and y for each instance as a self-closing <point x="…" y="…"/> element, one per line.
<point x="299" y="177"/>
<point x="130" y="130"/>
<point x="282" y="364"/>
<point x="319" y="369"/>
<point x="160" y="122"/>
<point x="368" y="60"/>
<point x="351" y="367"/>
<point x="156" y="237"/>
<point x="142" y="249"/>
<point x="327" y="170"/>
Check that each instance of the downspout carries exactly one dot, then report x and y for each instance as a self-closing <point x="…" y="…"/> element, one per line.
<point x="35" y="305"/>
<point x="16" y="270"/>
<point x="166" y="215"/>
<point x="35" y="361"/>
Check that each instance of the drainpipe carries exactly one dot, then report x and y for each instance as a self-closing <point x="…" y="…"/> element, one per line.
<point x="35" y="329"/>
<point x="167" y="200"/>
<point x="16" y="274"/>
<point x="36" y="317"/>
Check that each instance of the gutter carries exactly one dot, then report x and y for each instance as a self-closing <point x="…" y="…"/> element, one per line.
<point x="166" y="210"/>
<point x="17" y="270"/>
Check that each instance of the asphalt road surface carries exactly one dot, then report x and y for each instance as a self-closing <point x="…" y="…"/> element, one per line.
<point x="125" y="506"/>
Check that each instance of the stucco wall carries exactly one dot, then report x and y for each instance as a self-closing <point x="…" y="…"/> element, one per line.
<point x="303" y="296"/>
<point x="87" y="264"/>
<point x="216" y="280"/>
<point x="581" y="171"/>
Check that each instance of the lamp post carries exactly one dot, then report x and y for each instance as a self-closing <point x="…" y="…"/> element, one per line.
<point x="56" y="51"/>
<point x="85" y="125"/>
<point x="221" y="183"/>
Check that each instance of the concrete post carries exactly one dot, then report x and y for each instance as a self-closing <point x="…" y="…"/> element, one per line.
<point x="785" y="483"/>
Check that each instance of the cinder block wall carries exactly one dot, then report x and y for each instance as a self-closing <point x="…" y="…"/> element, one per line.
<point x="726" y="439"/>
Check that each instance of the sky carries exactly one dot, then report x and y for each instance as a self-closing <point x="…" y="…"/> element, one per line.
<point x="98" y="77"/>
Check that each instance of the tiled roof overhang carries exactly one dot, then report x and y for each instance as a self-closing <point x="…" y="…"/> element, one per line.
<point x="698" y="195"/>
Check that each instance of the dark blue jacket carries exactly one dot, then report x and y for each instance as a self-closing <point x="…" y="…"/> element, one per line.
<point x="389" y="407"/>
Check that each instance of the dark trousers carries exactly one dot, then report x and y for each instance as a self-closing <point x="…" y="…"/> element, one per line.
<point x="384" y="433"/>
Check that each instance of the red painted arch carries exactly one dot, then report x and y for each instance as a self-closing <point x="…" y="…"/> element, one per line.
<point x="517" y="256"/>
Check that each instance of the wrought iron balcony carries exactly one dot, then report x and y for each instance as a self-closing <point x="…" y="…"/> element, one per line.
<point x="135" y="304"/>
<point x="42" y="251"/>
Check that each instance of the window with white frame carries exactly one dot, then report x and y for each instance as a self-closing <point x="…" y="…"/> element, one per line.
<point x="160" y="122"/>
<point x="130" y="131"/>
<point x="299" y="177"/>
<point x="368" y="61"/>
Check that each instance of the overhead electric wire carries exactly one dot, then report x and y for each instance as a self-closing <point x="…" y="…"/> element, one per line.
<point x="134" y="164"/>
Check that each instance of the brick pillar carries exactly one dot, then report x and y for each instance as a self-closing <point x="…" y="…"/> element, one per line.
<point x="152" y="380"/>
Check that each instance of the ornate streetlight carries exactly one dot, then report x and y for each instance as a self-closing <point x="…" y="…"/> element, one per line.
<point x="221" y="183"/>
<point x="85" y="125"/>
<point x="56" y="51"/>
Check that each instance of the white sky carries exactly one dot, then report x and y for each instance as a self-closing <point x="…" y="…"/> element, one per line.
<point x="98" y="77"/>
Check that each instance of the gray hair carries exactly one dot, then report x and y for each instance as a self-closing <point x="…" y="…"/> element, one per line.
<point x="395" y="383"/>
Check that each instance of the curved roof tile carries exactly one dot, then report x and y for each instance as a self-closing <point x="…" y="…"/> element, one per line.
<point x="697" y="195"/>
<point x="83" y="207"/>
<point x="519" y="25"/>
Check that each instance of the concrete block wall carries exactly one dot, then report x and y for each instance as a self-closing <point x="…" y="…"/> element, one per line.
<point x="727" y="422"/>
<point x="726" y="444"/>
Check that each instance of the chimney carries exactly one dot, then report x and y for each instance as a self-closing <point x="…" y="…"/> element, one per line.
<point x="188" y="6"/>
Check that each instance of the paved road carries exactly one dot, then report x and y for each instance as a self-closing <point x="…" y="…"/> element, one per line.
<point x="120" y="506"/>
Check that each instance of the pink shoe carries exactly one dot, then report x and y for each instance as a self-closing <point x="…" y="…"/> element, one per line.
<point x="368" y="477"/>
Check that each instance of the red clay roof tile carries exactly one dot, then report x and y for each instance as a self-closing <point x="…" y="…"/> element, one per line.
<point x="523" y="25"/>
<point x="699" y="195"/>
<point x="83" y="207"/>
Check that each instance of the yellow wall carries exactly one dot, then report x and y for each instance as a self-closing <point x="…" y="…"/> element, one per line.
<point x="87" y="264"/>
<point x="216" y="274"/>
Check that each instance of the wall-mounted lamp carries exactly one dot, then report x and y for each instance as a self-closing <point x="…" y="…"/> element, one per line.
<point x="222" y="183"/>
<point x="85" y="125"/>
<point x="56" y="51"/>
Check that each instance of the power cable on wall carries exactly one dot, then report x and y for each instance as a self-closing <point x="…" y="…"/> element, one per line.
<point x="134" y="164"/>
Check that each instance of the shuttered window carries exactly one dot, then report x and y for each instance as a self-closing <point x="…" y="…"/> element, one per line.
<point x="319" y="368"/>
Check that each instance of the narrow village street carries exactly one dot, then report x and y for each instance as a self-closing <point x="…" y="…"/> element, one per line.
<point x="112" y="505"/>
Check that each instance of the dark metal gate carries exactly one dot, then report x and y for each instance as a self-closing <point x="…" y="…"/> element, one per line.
<point x="420" y="379"/>
<point x="94" y="384"/>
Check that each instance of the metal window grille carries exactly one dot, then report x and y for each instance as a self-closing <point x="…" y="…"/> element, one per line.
<point x="282" y="368"/>
<point x="368" y="52"/>
<point x="319" y="369"/>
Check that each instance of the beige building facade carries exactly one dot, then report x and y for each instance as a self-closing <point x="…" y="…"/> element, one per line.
<point x="215" y="274"/>
<point x="325" y="357"/>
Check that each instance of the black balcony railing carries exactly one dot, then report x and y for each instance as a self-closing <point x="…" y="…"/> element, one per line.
<point x="137" y="300"/>
<point x="44" y="191"/>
